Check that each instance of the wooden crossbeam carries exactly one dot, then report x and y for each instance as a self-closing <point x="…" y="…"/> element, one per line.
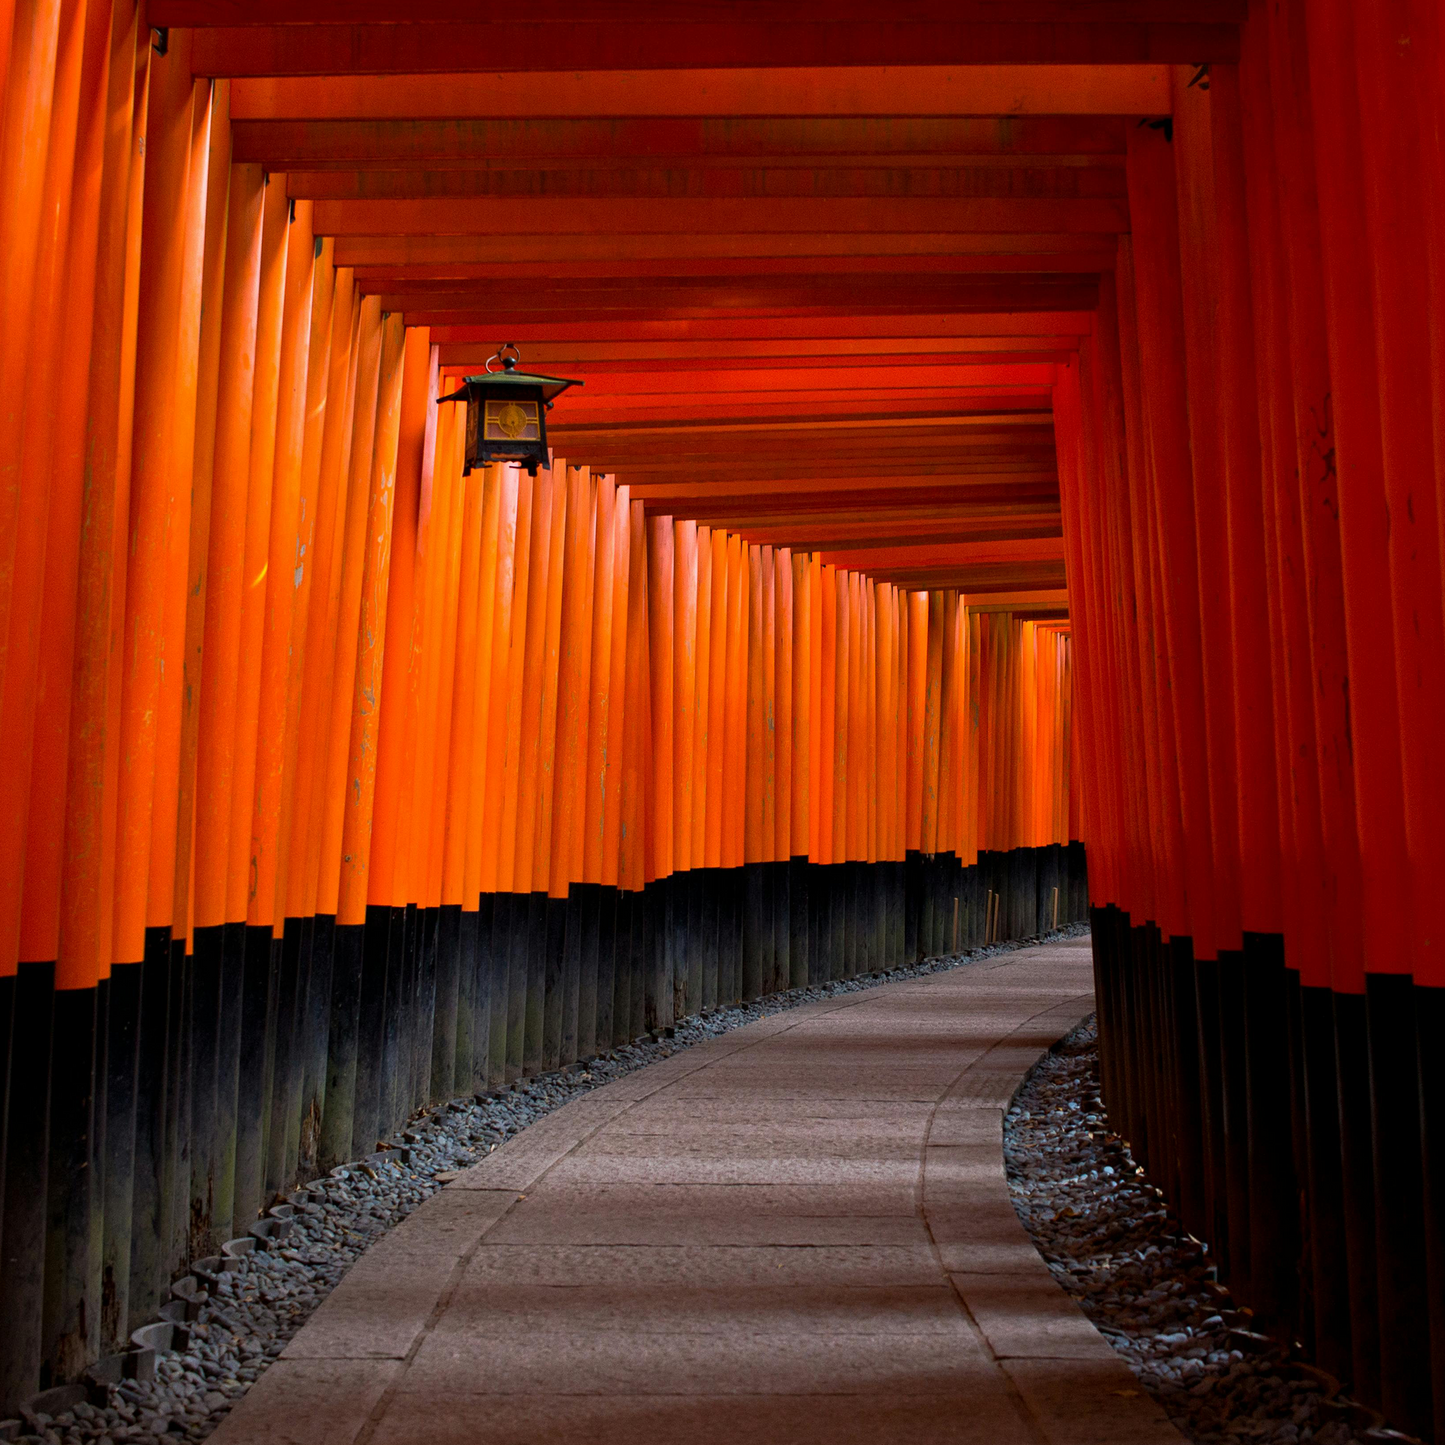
<point x="202" y="13"/>
<point x="1010" y="495"/>
<point x="755" y="182"/>
<point x="862" y="89"/>
<point x="666" y="216"/>
<point x="519" y="252"/>
<point x="623" y="356"/>
<point x="680" y="141"/>
<point x="600" y="44"/>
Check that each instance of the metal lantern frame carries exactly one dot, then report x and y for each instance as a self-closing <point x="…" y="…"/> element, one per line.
<point x="507" y="412"/>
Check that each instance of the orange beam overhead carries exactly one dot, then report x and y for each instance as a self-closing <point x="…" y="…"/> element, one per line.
<point x="756" y="435"/>
<point x="955" y="554"/>
<point x="1038" y="597"/>
<point x="972" y="577"/>
<point x="665" y="216"/>
<point x="518" y="252"/>
<point x="601" y="44"/>
<point x="931" y="90"/>
<point x="843" y="378"/>
<point x="1005" y="495"/>
<point x="569" y="12"/>
<point x="734" y="408"/>
<point x="497" y="143"/>
<point x="756" y="181"/>
<point x="727" y="328"/>
<point x="1032" y="351"/>
<point x="1076" y="264"/>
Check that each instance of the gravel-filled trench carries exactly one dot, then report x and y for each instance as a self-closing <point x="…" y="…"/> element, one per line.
<point x="264" y="1297"/>
<point x="1112" y="1242"/>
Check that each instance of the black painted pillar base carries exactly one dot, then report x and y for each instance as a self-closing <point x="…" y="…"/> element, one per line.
<point x="442" y="1081"/>
<point x="1351" y="1027"/>
<point x="1273" y="1206"/>
<point x="1234" y="1100"/>
<point x="27" y="1155"/>
<point x="1405" y="1395"/>
<point x="121" y="1024"/>
<point x="1324" y="1186"/>
<point x="70" y="1339"/>
<point x="339" y="1111"/>
<point x="1429" y="1011"/>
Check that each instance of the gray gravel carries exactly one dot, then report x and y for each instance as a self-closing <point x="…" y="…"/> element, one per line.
<point x="1112" y="1242"/>
<point x="265" y="1296"/>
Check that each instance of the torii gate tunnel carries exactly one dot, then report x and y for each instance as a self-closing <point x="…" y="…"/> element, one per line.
<point x="1006" y="428"/>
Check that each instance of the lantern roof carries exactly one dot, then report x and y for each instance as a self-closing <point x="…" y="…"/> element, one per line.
<point x="552" y="386"/>
<point x="509" y="376"/>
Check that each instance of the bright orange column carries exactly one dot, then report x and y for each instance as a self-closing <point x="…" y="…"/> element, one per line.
<point x="225" y="567"/>
<point x="370" y="634"/>
<point x="396" y="719"/>
<point x="86" y="913"/>
<point x="280" y="619"/>
<point x="160" y="505"/>
<point x="255" y="566"/>
<point x="341" y="704"/>
<point x="76" y="247"/>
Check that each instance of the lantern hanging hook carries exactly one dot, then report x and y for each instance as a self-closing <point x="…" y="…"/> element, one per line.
<point x="508" y="362"/>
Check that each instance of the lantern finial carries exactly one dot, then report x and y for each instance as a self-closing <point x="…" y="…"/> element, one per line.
<point x="509" y="363"/>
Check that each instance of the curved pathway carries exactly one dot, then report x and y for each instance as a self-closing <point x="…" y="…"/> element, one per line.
<point x="797" y="1232"/>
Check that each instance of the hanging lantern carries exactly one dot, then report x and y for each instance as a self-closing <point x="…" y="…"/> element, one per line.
<point x="507" y="412"/>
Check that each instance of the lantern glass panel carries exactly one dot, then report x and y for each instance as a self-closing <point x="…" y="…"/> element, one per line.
<point x="511" y="420"/>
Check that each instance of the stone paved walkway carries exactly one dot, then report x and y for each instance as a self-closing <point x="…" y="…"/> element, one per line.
<point x="798" y="1232"/>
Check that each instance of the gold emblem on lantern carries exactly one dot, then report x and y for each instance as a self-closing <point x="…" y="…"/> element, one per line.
<point x="511" y="420"/>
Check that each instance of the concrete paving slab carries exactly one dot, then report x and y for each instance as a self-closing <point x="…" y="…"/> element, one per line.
<point x="807" y="1138"/>
<point x="1027" y="1316"/>
<point x="799" y="1232"/>
<point x="726" y="1362"/>
<point x="671" y="1266"/>
<point x="563" y="1419"/>
<point x="481" y="1309"/>
<point x="716" y="1214"/>
<point x="989" y="1252"/>
<point x="1078" y="1402"/>
<point x="876" y="1086"/>
<point x="664" y="1111"/>
<point x="971" y="1224"/>
<point x="764" y="1169"/>
<point x="949" y="1127"/>
<point x="974" y="1164"/>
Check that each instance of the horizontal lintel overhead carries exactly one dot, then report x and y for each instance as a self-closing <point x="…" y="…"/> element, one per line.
<point x="600" y="45"/>
<point x="928" y="90"/>
<point x="617" y="142"/>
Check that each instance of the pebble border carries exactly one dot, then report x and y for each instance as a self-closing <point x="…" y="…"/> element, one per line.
<point x="235" y="1313"/>
<point x="1149" y="1288"/>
